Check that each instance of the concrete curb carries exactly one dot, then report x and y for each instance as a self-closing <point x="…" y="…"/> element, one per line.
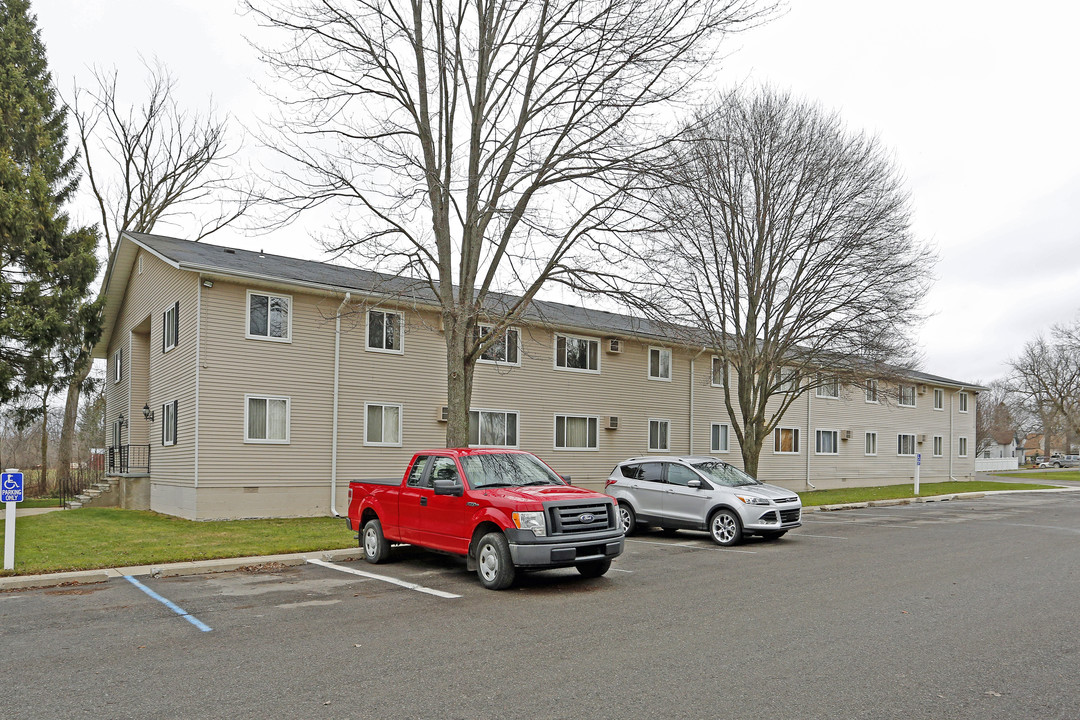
<point x="197" y="567"/>
<point x="928" y="499"/>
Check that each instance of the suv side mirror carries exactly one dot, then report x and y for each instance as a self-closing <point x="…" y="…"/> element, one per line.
<point x="694" y="484"/>
<point x="443" y="486"/>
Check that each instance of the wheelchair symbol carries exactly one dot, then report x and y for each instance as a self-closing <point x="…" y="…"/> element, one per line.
<point x="10" y="484"/>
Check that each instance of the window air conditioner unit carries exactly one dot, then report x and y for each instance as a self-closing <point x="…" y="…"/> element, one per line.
<point x="845" y="434"/>
<point x="444" y="413"/>
<point x="921" y="437"/>
<point x="614" y="346"/>
<point x="922" y="389"/>
<point x="613" y="422"/>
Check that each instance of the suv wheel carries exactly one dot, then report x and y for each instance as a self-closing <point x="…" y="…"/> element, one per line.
<point x="627" y="519"/>
<point x="725" y="528"/>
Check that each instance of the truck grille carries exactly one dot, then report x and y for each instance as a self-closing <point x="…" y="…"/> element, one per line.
<point x="567" y="519"/>
<point x="787" y="516"/>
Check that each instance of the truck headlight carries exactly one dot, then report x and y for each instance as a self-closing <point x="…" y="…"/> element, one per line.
<point x="753" y="499"/>
<point x="531" y="521"/>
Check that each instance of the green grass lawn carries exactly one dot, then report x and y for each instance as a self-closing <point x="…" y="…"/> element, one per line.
<point x="40" y="503"/>
<point x="1048" y="475"/>
<point x="91" y="538"/>
<point x="890" y="492"/>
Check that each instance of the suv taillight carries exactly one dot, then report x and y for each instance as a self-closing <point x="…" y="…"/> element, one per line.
<point x="610" y="482"/>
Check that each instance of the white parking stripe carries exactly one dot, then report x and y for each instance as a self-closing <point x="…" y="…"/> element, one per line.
<point x="384" y="578"/>
<point x="170" y="604"/>
<point x="828" y="537"/>
<point x="694" y="547"/>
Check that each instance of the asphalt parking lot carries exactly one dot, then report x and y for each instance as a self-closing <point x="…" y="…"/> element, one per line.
<point x="963" y="609"/>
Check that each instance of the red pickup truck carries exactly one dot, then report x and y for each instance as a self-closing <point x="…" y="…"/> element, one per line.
<point x="504" y="510"/>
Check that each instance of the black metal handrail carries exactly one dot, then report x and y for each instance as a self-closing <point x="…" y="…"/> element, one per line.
<point x="124" y="459"/>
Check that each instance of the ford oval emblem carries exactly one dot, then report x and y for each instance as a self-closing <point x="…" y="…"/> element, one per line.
<point x="586" y="518"/>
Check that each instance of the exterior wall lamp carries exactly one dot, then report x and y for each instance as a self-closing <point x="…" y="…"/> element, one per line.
<point x="147" y="412"/>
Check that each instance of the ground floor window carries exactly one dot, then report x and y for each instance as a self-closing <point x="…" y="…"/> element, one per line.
<point x="719" y="438"/>
<point x="786" y="440"/>
<point x="267" y="419"/>
<point x="576" y="432"/>
<point x="382" y="424"/>
<point x="939" y="441"/>
<point x="962" y="446"/>
<point x="871" y="443"/>
<point x="493" y="428"/>
<point x="168" y="423"/>
<point x="826" y="442"/>
<point x="658" y="434"/>
<point x="905" y="444"/>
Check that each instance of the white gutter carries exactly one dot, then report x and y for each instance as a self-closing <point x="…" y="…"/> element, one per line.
<point x="807" y="443"/>
<point x="334" y="432"/>
<point x="703" y="349"/>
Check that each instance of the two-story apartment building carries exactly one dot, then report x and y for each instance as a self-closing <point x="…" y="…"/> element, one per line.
<point x="243" y="384"/>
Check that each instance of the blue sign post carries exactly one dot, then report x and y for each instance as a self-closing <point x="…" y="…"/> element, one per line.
<point x="918" y="462"/>
<point x="11" y="492"/>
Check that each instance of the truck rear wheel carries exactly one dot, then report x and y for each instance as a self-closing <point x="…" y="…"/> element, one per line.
<point x="594" y="568"/>
<point x="374" y="543"/>
<point x="494" y="566"/>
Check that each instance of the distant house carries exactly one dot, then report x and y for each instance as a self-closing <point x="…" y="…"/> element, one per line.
<point x="243" y="384"/>
<point x="1001" y="444"/>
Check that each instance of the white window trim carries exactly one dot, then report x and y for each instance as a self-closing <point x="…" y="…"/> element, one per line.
<point x="875" y="401"/>
<point x="900" y="397"/>
<point x="875" y="434"/>
<point x="501" y="412"/>
<point x="662" y="350"/>
<point x="961" y="446"/>
<point x="288" y="419"/>
<point x="503" y="363"/>
<point x="401" y="331"/>
<point x="914" y="444"/>
<point x="711" y="376"/>
<point x="787" y="452"/>
<point x="555" y="353"/>
<point x="118" y="365"/>
<point x="171" y="406"/>
<point x="942" y="453"/>
<point x="962" y="402"/>
<point x="247" y="319"/>
<point x="822" y="388"/>
<point x="649" y="439"/>
<point x="555" y="433"/>
<point x="936" y="408"/>
<point x="727" y="434"/>
<point x="400" y="423"/>
<point x="836" y="444"/>
<point x="168" y="324"/>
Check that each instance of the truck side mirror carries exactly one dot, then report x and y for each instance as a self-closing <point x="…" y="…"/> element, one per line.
<point x="443" y="486"/>
<point x="566" y="478"/>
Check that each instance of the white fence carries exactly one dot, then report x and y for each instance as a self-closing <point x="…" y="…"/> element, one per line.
<point x="995" y="464"/>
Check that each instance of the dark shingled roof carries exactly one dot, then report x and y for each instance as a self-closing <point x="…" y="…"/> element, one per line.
<point x="204" y="257"/>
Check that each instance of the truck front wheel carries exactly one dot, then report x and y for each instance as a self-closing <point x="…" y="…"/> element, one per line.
<point x="594" y="568"/>
<point x="376" y="548"/>
<point x="494" y="565"/>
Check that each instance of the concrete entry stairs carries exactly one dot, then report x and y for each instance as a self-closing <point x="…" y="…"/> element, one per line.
<point x="131" y="492"/>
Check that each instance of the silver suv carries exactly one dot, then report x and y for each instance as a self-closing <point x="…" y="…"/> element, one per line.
<point x="701" y="493"/>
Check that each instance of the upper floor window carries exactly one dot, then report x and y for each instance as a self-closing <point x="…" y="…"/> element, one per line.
<point x="939" y="399"/>
<point x="963" y="402"/>
<point x="786" y="440"/>
<point x="384" y="329"/>
<point x="168" y="423"/>
<point x="493" y="428"/>
<point x="719" y="371"/>
<point x="871" y="391"/>
<point x="506" y="350"/>
<point x="659" y="432"/>
<point x="907" y="395"/>
<point x="269" y="316"/>
<point x="118" y="365"/>
<point x="574" y="432"/>
<point x="382" y="424"/>
<point x="267" y="419"/>
<point x="829" y="387"/>
<point x="659" y="363"/>
<point x="170" y="327"/>
<point x="788" y="380"/>
<point x="577" y="353"/>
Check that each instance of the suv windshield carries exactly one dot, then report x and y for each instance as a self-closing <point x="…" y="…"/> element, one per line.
<point x="507" y="470"/>
<point x="725" y="474"/>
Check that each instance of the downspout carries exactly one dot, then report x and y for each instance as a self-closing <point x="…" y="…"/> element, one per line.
<point x="703" y="348"/>
<point x="807" y="443"/>
<point x="952" y="415"/>
<point x="334" y="432"/>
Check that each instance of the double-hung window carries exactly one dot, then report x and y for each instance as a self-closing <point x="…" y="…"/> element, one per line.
<point x="786" y="440"/>
<point x="577" y="353"/>
<point x="384" y="330"/>
<point x="659" y="435"/>
<point x="382" y="424"/>
<point x="269" y="316"/>
<point x="170" y="327"/>
<point x="493" y="428"/>
<point x="659" y="363"/>
<point x="939" y="399"/>
<point x="266" y="419"/>
<point x="963" y="400"/>
<point x="118" y="365"/>
<point x="871" y="443"/>
<point x="576" y="432"/>
<point x="719" y="438"/>
<point x="961" y="445"/>
<point x="871" y="391"/>
<point x="905" y="444"/>
<point x="719" y="371"/>
<point x="505" y="350"/>
<point x="788" y="382"/>
<point x="906" y="395"/>
<point x="939" y="443"/>
<point x="829" y="387"/>
<point x="168" y="423"/>
<point x="827" y="442"/>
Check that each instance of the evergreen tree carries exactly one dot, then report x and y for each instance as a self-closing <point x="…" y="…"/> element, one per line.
<point x="45" y="266"/>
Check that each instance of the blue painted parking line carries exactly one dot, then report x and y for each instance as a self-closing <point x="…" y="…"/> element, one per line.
<point x="170" y="604"/>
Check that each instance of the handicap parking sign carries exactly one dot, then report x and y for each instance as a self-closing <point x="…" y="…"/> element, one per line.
<point x="11" y="487"/>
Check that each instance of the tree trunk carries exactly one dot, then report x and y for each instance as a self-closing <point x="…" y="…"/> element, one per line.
<point x="71" y="414"/>
<point x="751" y="449"/>
<point x="459" y="380"/>
<point x="43" y="479"/>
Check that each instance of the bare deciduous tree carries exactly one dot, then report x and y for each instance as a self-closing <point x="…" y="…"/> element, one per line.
<point x="156" y="163"/>
<point x="994" y="421"/>
<point x="787" y="242"/>
<point x="1046" y="378"/>
<point x="480" y="146"/>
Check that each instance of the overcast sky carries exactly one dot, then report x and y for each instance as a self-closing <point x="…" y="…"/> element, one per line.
<point x="978" y="100"/>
